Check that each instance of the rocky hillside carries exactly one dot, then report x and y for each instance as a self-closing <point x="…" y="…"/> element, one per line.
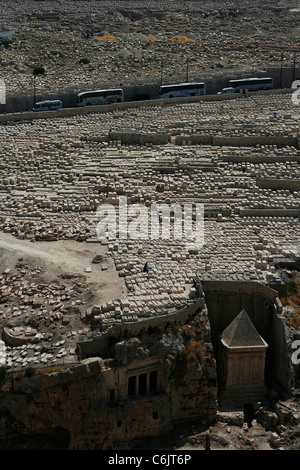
<point x="67" y="408"/>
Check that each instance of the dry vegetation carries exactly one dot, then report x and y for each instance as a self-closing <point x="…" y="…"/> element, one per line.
<point x="195" y="350"/>
<point x="292" y="299"/>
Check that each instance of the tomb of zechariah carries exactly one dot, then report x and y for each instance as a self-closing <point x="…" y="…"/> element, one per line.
<point x="242" y="361"/>
<point x="110" y="341"/>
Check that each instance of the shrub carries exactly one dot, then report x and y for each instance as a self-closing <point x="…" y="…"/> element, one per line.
<point x="295" y="322"/>
<point x="3" y="371"/>
<point x="29" y="372"/>
<point x="292" y="287"/>
<point x="195" y="350"/>
<point x="292" y="299"/>
<point x="84" y="61"/>
<point x="38" y="71"/>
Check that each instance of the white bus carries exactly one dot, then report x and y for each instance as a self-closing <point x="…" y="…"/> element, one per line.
<point x="182" y="90"/>
<point x="252" y="84"/>
<point x="47" y="105"/>
<point x="91" y="98"/>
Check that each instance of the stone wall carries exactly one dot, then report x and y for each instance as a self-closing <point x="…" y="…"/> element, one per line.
<point x="261" y="158"/>
<point x="252" y="141"/>
<point x="270" y="212"/>
<point x="73" y="111"/>
<point x="140" y="139"/>
<point x="281" y="366"/>
<point x="239" y="287"/>
<point x="100" y="345"/>
<point x="277" y="183"/>
<point x="241" y="141"/>
<point x="173" y="318"/>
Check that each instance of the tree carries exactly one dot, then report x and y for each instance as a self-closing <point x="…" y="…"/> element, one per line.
<point x="36" y="71"/>
<point x="84" y="61"/>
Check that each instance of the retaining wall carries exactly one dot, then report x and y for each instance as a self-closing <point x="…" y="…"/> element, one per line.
<point x="240" y="287"/>
<point x="140" y="139"/>
<point x="241" y="141"/>
<point x="281" y="366"/>
<point x="74" y="111"/>
<point x="282" y="78"/>
<point x="261" y="158"/>
<point x="277" y="183"/>
<point x="269" y="212"/>
<point x="101" y="345"/>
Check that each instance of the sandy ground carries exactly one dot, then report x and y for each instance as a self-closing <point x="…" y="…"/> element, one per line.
<point x="65" y="257"/>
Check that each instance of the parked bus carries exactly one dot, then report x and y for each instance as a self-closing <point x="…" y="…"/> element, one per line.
<point x="91" y="98"/>
<point x="182" y="90"/>
<point x="252" y="84"/>
<point x="48" y="105"/>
